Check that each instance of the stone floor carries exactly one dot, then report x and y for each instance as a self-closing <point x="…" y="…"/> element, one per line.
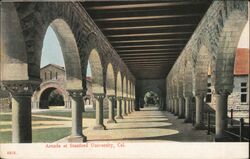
<point x="149" y="124"/>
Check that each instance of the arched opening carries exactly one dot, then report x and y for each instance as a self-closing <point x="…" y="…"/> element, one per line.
<point x="124" y="87"/>
<point x="59" y="50"/>
<point x="200" y="71"/>
<point x="110" y="81"/>
<point x="238" y="100"/>
<point x="51" y="97"/>
<point x="151" y="99"/>
<point x="119" y="85"/>
<point x="96" y="72"/>
<point x="51" y="51"/>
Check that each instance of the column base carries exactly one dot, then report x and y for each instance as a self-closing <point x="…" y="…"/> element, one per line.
<point x="119" y="117"/>
<point x="111" y="121"/>
<point x="99" y="127"/>
<point x="77" y="139"/>
<point x="200" y="126"/>
<point x="187" y="121"/>
<point x="222" y="138"/>
<point x="124" y="114"/>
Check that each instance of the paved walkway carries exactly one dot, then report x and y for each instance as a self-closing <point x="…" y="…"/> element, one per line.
<point x="149" y="124"/>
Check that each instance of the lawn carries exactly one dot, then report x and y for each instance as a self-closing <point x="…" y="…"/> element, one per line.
<point x="40" y="135"/>
<point x="88" y="114"/>
<point x="7" y="117"/>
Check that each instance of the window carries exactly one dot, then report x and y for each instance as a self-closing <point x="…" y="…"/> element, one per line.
<point x="56" y="75"/>
<point x="209" y="93"/>
<point x="243" y="92"/>
<point x="45" y="75"/>
<point x="50" y="74"/>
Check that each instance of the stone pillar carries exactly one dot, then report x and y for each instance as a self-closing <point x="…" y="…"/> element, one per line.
<point x="188" y="109"/>
<point x="176" y="106"/>
<point x="21" y="118"/>
<point x="221" y="116"/>
<point x="119" y="108"/>
<point x="172" y="106"/>
<point x="35" y="104"/>
<point x="67" y="104"/>
<point x="181" y="106"/>
<point x="111" y="109"/>
<point x="99" y="112"/>
<point x="124" y="113"/>
<point x="76" y="109"/>
<point x="134" y="104"/>
<point x="199" y="101"/>
<point x="21" y="92"/>
<point x="128" y="106"/>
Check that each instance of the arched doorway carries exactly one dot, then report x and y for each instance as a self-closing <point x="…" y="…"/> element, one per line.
<point x="51" y="97"/>
<point x="151" y="99"/>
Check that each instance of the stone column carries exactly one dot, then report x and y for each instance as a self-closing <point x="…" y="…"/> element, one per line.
<point x="21" y="118"/>
<point x="176" y="106"/>
<point x="199" y="101"/>
<point x="21" y="92"/>
<point x="221" y="115"/>
<point x="111" y="109"/>
<point x="76" y="110"/>
<point x="35" y="104"/>
<point x="128" y="106"/>
<point x="99" y="112"/>
<point x="188" y="109"/>
<point x="172" y="106"/>
<point x="124" y="113"/>
<point x="67" y="104"/>
<point x="119" y="108"/>
<point x="181" y="106"/>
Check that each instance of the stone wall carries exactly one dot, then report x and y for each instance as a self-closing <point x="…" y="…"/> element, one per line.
<point x="234" y="99"/>
<point x="52" y="73"/>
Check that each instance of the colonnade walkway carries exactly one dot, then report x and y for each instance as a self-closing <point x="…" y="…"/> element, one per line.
<point x="149" y="124"/>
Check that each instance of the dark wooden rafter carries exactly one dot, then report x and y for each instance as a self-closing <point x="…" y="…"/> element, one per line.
<point x="148" y="35"/>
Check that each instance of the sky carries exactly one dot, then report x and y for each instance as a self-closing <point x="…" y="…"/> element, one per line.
<point x="52" y="53"/>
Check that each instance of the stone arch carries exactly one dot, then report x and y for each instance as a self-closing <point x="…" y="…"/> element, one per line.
<point x="223" y="66"/>
<point x="97" y="72"/>
<point x="187" y="83"/>
<point x="70" y="53"/>
<point x="119" y="85"/>
<point x="14" y="60"/>
<point x="180" y="76"/>
<point x="200" y="70"/>
<point x="48" y="87"/>
<point x="154" y="89"/>
<point x="110" y="80"/>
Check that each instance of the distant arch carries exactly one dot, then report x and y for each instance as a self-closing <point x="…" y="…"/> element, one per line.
<point x="110" y="80"/>
<point x="97" y="72"/>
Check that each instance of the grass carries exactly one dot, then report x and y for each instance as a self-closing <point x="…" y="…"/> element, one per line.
<point x="88" y="114"/>
<point x="8" y="117"/>
<point x="48" y="134"/>
<point x="40" y="135"/>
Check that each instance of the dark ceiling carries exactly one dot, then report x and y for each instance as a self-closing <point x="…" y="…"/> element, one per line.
<point x="148" y="35"/>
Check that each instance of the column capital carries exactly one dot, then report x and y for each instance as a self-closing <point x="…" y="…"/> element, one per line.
<point x="75" y="93"/>
<point x="20" y="87"/>
<point x="99" y="95"/>
<point x="111" y="97"/>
